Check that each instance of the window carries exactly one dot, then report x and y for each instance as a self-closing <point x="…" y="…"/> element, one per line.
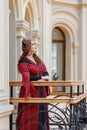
<point x="58" y="55"/>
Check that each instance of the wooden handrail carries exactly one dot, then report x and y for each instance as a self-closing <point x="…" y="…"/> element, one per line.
<point x="49" y="83"/>
<point x="61" y="99"/>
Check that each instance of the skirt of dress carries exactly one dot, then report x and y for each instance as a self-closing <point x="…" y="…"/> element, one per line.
<point x="32" y="116"/>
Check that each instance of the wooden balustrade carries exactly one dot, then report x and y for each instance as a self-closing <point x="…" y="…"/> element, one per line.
<point x="60" y="97"/>
<point x="75" y="100"/>
<point x="49" y="83"/>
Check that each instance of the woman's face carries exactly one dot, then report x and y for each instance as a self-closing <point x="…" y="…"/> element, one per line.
<point x="34" y="47"/>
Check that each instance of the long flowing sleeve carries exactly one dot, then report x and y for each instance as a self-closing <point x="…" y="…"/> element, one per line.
<point x="45" y="73"/>
<point x="24" y="69"/>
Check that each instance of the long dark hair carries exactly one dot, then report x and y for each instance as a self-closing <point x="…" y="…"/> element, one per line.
<point x="26" y="46"/>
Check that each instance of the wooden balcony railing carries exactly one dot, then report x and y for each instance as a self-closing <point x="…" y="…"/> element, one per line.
<point x="64" y="97"/>
<point x="74" y="99"/>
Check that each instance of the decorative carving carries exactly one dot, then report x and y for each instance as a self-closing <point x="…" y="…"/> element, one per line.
<point x="35" y="35"/>
<point x="22" y="27"/>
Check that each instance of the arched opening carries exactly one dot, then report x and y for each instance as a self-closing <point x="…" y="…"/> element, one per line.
<point x="12" y="37"/>
<point x="58" y="56"/>
<point x="29" y="18"/>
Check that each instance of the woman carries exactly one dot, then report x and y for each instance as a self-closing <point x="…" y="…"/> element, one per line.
<point x="32" y="68"/>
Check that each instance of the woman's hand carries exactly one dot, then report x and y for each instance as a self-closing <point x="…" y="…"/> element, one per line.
<point x="46" y="78"/>
<point x="40" y="80"/>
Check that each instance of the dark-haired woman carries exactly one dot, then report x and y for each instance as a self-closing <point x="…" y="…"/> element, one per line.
<point x="32" y="68"/>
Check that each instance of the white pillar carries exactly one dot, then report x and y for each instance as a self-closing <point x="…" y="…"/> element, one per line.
<point x="5" y="107"/>
<point x="46" y="33"/>
<point x="75" y="46"/>
<point x="75" y="61"/>
<point x="82" y="43"/>
<point x="22" y="28"/>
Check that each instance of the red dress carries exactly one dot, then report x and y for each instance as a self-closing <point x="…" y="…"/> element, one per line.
<point x="29" y="115"/>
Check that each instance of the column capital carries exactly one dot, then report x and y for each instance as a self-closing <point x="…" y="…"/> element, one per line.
<point x="75" y="46"/>
<point x="36" y="34"/>
<point x="22" y="27"/>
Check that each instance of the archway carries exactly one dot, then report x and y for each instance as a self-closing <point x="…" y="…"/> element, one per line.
<point x="67" y="22"/>
<point x="58" y="56"/>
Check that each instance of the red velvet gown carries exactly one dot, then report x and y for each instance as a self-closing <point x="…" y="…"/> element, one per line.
<point x="29" y="117"/>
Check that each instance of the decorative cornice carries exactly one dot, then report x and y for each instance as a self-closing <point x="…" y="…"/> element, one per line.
<point x="73" y="4"/>
<point x="22" y="25"/>
<point x="56" y="2"/>
<point x="62" y="11"/>
<point x="35" y="33"/>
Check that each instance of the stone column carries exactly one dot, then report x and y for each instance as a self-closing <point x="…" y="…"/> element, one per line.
<point x="82" y="43"/>
<point x="46" y="34"/>
<point x="5" y="108"/>
<point x="22" y="28"/>
<point x="75" y="63"/>
<point x="82" y="59"/>
<point x="75" y="60"/>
